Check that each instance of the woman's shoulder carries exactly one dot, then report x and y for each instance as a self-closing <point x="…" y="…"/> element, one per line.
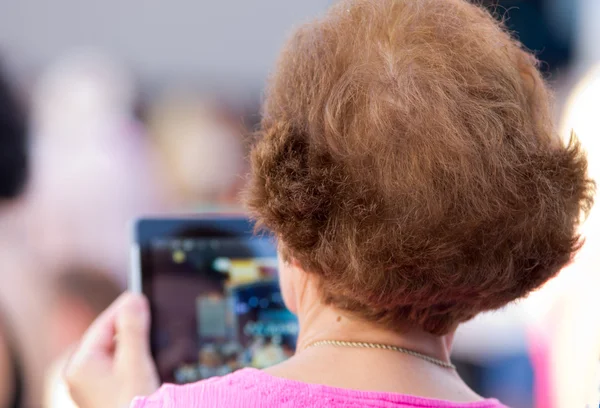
<point x="251" y="388"/>
<point x="206" y="393"/>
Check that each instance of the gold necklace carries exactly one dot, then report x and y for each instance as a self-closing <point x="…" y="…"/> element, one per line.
<point x="359" y="344"/>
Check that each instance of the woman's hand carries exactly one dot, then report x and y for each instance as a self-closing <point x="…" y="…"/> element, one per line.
<point x="113" y="363"/>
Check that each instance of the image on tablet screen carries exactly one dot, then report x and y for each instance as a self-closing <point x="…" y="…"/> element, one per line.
<point x="217" y="308"/>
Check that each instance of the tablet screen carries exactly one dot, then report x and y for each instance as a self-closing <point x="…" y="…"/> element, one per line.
<point x="215" y="302"/>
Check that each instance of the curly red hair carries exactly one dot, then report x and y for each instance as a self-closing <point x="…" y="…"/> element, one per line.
<point x="408" y="158"/>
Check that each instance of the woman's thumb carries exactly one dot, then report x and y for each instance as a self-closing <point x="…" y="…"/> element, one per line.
<point x="133" y="363"/>
<point x="132" y="333"/>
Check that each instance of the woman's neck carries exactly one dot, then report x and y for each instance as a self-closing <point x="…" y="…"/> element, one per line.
<point x="366" y="369"/>
<point x="319" y="322"/>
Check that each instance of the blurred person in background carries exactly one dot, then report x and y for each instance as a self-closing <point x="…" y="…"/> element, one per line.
<point x="13" y="173"/>
<point x="200" y="153"/>
<point x="88" y="177"/>
<point x="411" y="170"/>
<point x="91" y="165"/>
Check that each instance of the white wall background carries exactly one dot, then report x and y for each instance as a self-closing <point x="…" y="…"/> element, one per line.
<point x="589" y="29"/>
<point x="161" y="40"/>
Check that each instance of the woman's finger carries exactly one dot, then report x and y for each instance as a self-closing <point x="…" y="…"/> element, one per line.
<point x="100" y="336"/>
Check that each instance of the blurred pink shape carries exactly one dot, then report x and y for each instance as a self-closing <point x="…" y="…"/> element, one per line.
<point x="91" y="166"/>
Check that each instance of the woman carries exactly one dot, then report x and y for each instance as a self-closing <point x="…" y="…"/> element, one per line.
<point x="21" y="357"/>
<point x="410" y="169"/>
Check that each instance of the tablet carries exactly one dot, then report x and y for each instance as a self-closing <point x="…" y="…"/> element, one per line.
<point x="214" y="296"/>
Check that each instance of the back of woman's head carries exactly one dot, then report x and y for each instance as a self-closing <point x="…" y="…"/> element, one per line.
<point x="408" y="159"/>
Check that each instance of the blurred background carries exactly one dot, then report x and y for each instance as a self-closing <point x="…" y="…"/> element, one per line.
<point x="111" y="109"/>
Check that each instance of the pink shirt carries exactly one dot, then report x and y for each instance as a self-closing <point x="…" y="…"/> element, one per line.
<point x="251" y="388"/>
